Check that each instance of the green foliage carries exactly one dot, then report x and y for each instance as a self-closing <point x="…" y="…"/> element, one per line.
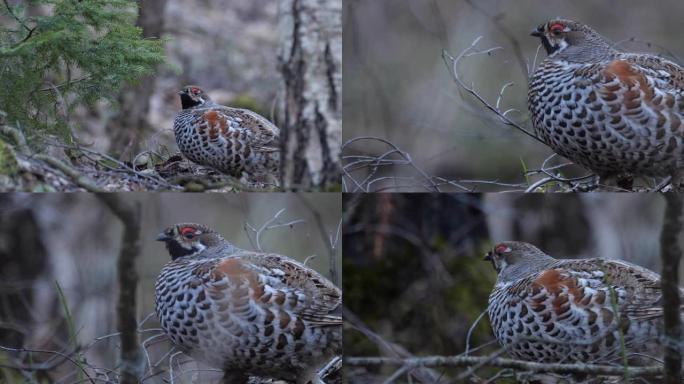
<point x="8" y="161"/>
<point x="524" y="168"/>
<point x="67" y="53"/>
<point x="410" y="312"/>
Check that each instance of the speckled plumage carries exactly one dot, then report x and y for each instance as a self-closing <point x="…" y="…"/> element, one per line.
<point x="565" y="311"/>
<point x="248" y="313"/>
<point x="237" y="142"/>
<point x="615" y="113"/>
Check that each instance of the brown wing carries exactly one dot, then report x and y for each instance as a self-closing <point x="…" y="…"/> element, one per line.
<point x="279" y="281"/>
<point x="223" y="123"/>
<point x="638" y="96"/>
<point x="669" y="73"/>
<point x="636" y="290"/>
<point x="264" y="135"/>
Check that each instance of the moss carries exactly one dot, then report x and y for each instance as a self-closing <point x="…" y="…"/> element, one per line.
<point x="8" y="160"/>
<point x="333" y="188"/>
<point x="42" y="187"/>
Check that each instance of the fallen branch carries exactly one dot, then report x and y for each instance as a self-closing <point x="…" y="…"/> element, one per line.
<point x="17" y="137"/>
<point x="77" y="177"/>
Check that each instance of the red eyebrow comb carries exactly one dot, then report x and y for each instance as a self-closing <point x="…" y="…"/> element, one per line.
<point x="556" y="26"/>
<point x="187" y="230"/>
<point x="500" y="248"/>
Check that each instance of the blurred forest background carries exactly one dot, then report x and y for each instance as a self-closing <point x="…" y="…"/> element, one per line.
<point x="95" y="85"/>
<point x="414" y="276"/>
<point x="73" y="240"/>
<point x="398" y="88"/>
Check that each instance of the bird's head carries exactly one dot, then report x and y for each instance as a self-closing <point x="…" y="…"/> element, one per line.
<point x="193" y="96"/>
<point x="189" y="239"/>
<point x="511" y="259"/>
<point x="560" y="35"/>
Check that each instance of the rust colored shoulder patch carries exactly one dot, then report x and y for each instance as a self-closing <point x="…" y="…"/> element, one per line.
<point x="234" y="269"/>
<point x="211" y="117"/>
<point x="627" y="74"/>
<point x="553" y="281"/>
<point x="216" y="123"/>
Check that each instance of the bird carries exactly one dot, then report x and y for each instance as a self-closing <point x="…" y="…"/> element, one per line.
<point x="246" y="313"/>
<point x="237" y="142"/>
<point x="618" y="114"/>
<point x="574" y="310"/>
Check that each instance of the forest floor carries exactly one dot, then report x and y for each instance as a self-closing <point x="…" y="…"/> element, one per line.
<point x="64" y="168"/>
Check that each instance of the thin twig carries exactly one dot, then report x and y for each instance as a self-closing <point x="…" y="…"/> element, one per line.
<point x="464" y="361"/>
<point x="266" y="226"/>
<point x="453" y="63"/>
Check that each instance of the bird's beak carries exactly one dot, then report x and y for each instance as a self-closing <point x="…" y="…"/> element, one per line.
<point x="181" y="92"/>
<point x="162" y="237"/>
<point x="537" y="32"/>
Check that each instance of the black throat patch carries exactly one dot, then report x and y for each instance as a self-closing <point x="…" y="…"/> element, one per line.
<point x="547" y="45"/>
<point x="176" y="251"/>
<point x="187" y="101"/>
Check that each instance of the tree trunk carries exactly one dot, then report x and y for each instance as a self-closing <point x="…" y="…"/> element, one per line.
<point x="24" y="259"/>
<point x="132" y="367"/>
<point x="130" y="126"/>
<point x="671" y="254"/>
<point x="310" y="58"/>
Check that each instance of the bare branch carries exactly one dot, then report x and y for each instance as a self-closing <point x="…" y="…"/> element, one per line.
<point x="325" y="236"/>
<point x="452" y="64"/>
<point x="363" y="173"/>
<point x="465" y="361"/>
<point x="394" y="350"/>
<point x="267" y="226"/>
<point x="375" y="162"/>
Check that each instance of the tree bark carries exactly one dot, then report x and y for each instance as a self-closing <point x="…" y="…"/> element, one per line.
<point x="24" y="259"/>
<point x="132" y="366"/>
<point x="130" y="126"/>
<point x="671" y="253"/>
<point x="310" y="59"/>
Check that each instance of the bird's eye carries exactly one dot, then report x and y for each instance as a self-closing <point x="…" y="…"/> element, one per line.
<point x="557" y="29"/>
<point x="188" y="233"/>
